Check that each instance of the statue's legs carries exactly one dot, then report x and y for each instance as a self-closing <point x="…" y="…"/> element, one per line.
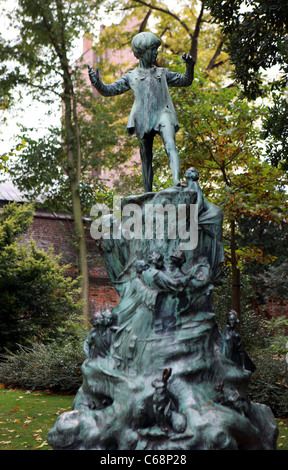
<point x="167" y="133"/>
<point x="146" y="152"/>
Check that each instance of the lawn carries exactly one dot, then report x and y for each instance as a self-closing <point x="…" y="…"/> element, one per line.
<point x="27" y="416"/>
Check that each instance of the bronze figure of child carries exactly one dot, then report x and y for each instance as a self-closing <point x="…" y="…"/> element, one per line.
<point x="153" y="111"/>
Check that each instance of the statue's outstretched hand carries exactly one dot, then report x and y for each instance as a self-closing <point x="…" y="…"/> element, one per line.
<point x="188" y="58"/>
<point x="94" y="76"/>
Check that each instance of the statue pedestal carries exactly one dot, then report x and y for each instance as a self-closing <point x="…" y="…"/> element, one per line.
<point x="159" y="375"/>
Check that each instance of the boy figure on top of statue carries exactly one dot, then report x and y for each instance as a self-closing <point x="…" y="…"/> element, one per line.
<point x="153" y="111"/>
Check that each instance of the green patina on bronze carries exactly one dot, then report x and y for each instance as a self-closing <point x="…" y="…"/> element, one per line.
<point x="158" y="374"/>
<point x="153" y="111"/>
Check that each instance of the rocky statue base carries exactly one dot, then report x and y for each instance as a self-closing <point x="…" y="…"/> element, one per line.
<point x="159" y="375"/>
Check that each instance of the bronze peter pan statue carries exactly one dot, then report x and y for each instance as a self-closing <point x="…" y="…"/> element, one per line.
<point x="153" y="111"/>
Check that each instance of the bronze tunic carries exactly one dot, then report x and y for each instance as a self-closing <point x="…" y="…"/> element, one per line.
<point x="152" y="106"/>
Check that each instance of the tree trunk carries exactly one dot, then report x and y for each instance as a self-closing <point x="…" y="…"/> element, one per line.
<point x="236" y="305"/>
<point x="82" y="252"/>
<point x="74" y="175"/>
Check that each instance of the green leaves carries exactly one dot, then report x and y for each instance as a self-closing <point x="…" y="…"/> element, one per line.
<point x="256" y="38"/>
<point x="15" y="220"/>
<point x="34" y="293"/>
<point x="220" y="138"/>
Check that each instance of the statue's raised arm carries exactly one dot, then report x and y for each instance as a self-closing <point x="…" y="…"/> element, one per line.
<point x="177" y="79"/>
<point x="116" y="88"/>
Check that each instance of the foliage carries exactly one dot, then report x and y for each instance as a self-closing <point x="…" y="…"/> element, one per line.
<point x="276" y="329"/>
<point x="40" y="173"/>
<point x="182" y="28"/>
<point x="47" y="31"/>
<point x="256" y="32"/>
<point x="3" y="161"/>
<point x="268" y="348"/>
<point x="35" y="295"/>
<point x="54" y="366"/>
<point x="275" y="129"/>
<point x="45" y="167"/>
<point x="253" y="230"/>
<point x="274" y="282"/>
<point x="4" y="158"/>
<point x="220" y="136"/>
<point x="220" y="132"/>
<point x="15" y="220"/>
<point x="269" y="383"/>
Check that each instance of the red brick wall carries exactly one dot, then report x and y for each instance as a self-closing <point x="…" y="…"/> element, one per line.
<point x="49" y="231"/>
<point x="102" y="298"/>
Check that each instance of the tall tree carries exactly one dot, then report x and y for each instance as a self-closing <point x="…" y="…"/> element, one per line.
<point x="47" y="30"/>
<point x="256" y="34"/>
<point x="275" y="129"/>
<point x="256" y="39"/>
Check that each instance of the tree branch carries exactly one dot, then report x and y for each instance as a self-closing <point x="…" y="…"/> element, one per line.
<point x="167" y="12"/>
<point x="144" y="22"/>
<point x="25" y="81"/>
<point x="218" y="51"/>
<point x="195" y="35"/>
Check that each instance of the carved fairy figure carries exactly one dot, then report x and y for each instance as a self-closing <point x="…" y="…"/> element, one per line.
<point x="157" y="275"/>
<point x="231" y="344"/>
<point x="153" y="111"/>
<point x="177" y="260"/>
<point x="99" y="338"/>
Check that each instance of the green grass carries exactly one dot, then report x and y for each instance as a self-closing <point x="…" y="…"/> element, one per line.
<point x="27" y="416"/>
<point x="282" y="443"/>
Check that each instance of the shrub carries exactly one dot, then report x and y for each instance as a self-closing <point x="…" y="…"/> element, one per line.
<point x="35" y="296"/>
<point x="269" y="384"/>
<point x="55" y="367"/>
